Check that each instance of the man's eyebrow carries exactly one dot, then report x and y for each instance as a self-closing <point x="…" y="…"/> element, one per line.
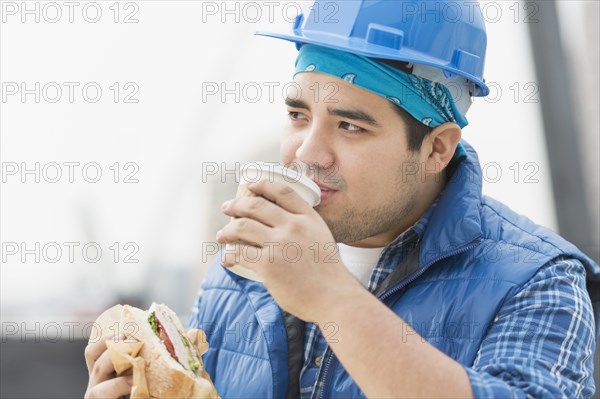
<point x="354" y="114"/>
<point x="295" y="103"/>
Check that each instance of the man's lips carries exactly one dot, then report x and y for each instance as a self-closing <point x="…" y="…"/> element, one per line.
<point x="322" y="186"/>
<point x="326" y="191"/>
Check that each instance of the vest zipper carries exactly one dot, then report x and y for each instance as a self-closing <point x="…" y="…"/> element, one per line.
<point x="328" y="362"/>
<point x="422" y="270"/>
<point x="397" y="288"/>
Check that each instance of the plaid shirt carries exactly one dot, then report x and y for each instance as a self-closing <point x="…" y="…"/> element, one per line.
<point x="542" y="340"/>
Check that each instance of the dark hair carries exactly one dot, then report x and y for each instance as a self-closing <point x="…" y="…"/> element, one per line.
<point x="416" y="131"/>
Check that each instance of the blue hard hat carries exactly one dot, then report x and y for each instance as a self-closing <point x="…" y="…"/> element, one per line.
<point x="449" y="35"/>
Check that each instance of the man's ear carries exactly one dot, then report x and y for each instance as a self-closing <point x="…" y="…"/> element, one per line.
<point x="440" y="145"/>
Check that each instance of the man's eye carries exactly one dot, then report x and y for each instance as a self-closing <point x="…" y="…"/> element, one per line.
<point x="351" y="128"/>
<point x="295" y="116"/>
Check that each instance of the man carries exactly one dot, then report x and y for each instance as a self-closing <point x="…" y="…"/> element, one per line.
<point x="436" y="290"/>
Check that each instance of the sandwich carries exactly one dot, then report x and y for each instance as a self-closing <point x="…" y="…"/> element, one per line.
<point x="173" y="362"/>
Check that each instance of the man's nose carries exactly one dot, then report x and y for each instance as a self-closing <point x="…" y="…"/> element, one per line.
<point x="316" y="148"/>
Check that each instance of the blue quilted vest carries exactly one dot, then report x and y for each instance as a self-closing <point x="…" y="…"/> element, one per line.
<point x="474" y="255"/>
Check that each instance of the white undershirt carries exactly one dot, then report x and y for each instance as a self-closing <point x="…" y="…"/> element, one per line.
<point x="360" y="261"/>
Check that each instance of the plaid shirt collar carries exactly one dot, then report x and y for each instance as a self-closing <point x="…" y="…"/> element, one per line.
<point x="397" y="249"/>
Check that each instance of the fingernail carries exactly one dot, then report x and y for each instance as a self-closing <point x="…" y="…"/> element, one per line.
<point x="225" y="204"/>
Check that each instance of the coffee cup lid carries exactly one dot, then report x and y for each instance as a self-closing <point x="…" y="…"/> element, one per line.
<point x="255" y="171"/>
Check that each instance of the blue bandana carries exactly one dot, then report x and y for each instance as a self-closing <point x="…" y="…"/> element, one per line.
<point x="429" y="102"/>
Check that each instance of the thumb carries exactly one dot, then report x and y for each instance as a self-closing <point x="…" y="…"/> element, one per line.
<point x="198" y="338"/>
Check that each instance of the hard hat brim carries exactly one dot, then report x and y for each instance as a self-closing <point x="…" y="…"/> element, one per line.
<point x="365" y="49"/>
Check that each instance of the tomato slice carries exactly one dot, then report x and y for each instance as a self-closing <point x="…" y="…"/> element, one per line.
<point x="167" y="341"/>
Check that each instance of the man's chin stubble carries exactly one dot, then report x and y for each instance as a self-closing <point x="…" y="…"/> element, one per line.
<point x="353" y="226"/>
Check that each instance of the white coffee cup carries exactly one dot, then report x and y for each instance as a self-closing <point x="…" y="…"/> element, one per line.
<point x="252" y="172"/>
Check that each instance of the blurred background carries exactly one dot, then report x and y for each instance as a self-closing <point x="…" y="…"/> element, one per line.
<point x="122" y="124"/>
